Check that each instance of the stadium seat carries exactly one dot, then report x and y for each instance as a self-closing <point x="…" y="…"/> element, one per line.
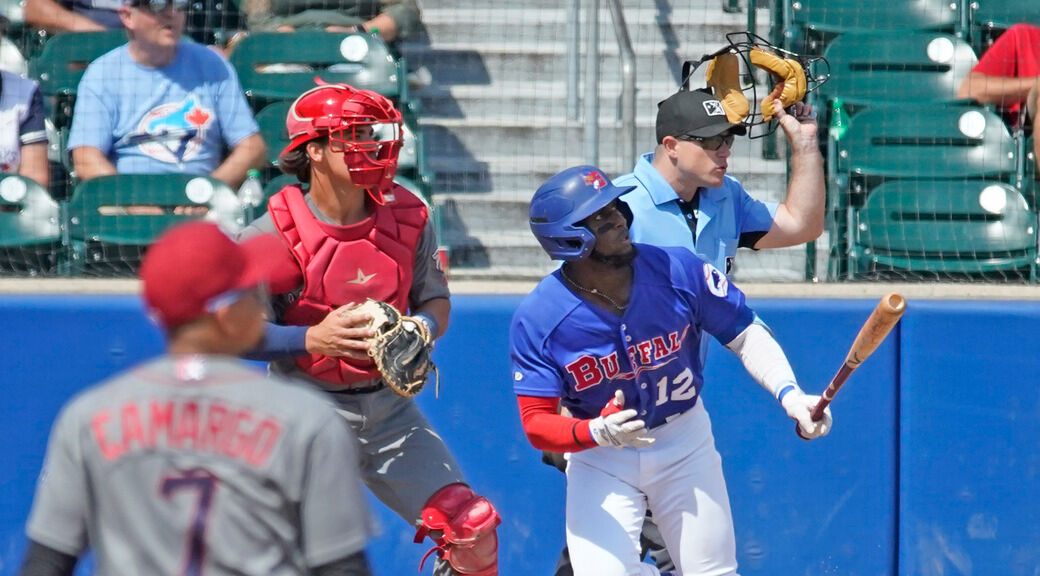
<point x="896" y="67"/>
<point x="280" y="66"/>
<point x="944" y="229"/>
<point x="30" y="228"/>
<point x="989" y="18"/>
<point x="113" y="219"/>
<point x="213" y="22"/>
<point x="60" y="66"/>
<point x="811" y="24"/>
<point x="922" y="142"/>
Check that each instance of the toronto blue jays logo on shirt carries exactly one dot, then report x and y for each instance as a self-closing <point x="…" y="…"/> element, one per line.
<point x="594" y="179"/>
<point x="173" y="132"/>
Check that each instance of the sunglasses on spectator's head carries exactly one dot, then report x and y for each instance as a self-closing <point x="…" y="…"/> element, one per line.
<point x="156" y="6"/>
<point x="710" y="142"/>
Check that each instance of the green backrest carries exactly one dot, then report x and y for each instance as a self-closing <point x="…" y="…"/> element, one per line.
<point x="28" y="215"/>
<point x="360" y="60"/>
<point x="841" y="16"/>
<point x="963" y="226"/>
<point x="891" y="67"/>
<point x="927" y="141"/>
<point x="133" y="209"/>
<point x="65" y="56"/>
<point x="1004" y="13"/>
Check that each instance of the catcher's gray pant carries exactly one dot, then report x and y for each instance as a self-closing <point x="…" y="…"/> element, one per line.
<point x="403" y="461"/>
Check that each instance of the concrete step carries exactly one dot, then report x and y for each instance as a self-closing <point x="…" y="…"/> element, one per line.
<point x="544" y="137"/>
<point x="482" y="63"/>
<point x="484" y="255"/>
<point x="645" y="23"/>
<point x="522" y="99"/>
<point x="763" y="178"/>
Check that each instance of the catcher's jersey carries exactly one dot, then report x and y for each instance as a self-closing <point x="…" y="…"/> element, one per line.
<point x="199" y="465"/>
<point x="562" y="346"/>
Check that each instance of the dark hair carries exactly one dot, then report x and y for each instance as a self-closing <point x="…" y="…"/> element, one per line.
<point x="297" y="163"/>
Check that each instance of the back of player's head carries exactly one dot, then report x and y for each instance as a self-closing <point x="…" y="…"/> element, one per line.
<point x="566" y="199"/>
<point x="193" y="268"/>
<point x="361" y="124"/>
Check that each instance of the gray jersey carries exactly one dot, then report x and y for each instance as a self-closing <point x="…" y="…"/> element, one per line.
<point x="197" y="464"/>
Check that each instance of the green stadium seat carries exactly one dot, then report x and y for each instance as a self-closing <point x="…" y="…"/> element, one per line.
<point x="988" y="18"/>
<point x="811" y="24"/>
<point x="30" y="228"/>
<point x="922" y="142"/>
<point x="275" y="66"/>
<point x="113" y="219"/>
<point x="944" y="229"/>
<point x="60" y="66"/>
<point x="896" y="67"/>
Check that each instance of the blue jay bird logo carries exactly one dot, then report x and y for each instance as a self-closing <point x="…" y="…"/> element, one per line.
<point x="173" y="132"/>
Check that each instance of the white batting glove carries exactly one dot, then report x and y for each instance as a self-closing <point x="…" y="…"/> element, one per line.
<point x="615" y="427"/>
<point x="798" y="405"/>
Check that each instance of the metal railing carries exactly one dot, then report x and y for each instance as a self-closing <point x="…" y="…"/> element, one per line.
<point x="591" y="74"/>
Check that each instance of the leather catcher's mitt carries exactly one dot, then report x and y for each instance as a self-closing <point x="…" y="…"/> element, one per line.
<point x="789" y="74"/>
<point x="723" y="76"/>
<point x="400" y="348"/>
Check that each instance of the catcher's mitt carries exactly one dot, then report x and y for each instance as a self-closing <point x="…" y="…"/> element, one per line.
<point x="400" y="348"/>
<point x="790" y="76"/>
<point x="723" y="75"/>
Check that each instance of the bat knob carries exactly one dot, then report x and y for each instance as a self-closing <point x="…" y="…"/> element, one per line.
<point x="798" y="431"/>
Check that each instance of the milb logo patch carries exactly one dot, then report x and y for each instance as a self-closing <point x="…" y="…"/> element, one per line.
<point x="717" y="282"/>
<point x="714" y="108"/>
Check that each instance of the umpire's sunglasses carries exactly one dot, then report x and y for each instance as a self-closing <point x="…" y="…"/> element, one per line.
<point x="710" y="142"/>
<point x="156" y="6"/>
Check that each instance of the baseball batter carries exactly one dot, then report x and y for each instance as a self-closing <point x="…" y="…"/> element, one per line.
<point x="193" y="463"/>
<point x="614" y="336"/>
<point x="349" y="233"/>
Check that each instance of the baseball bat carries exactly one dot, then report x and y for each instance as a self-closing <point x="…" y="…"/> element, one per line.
<point x="873" y="332"/>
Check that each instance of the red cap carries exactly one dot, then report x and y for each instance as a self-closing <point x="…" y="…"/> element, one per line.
<point x="192" y="264"/>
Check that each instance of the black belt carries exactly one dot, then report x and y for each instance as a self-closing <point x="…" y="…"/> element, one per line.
<point x="379" y="386"/>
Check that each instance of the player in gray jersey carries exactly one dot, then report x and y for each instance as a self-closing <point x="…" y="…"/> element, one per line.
<point x="193" y="463"/>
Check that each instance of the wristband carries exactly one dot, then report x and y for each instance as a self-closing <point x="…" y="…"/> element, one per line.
<point x="783" y="392"/>
<point x="430" y="324"/>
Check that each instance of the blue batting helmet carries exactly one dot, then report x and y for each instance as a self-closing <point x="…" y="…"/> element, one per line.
<point x="566" y="199"/>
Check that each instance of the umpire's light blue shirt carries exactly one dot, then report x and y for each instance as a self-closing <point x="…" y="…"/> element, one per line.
<point x="723" y="214"/>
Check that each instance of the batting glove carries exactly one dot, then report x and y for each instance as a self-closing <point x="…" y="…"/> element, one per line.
<point x="799" y="405"/>
<point x="616" y="427"/>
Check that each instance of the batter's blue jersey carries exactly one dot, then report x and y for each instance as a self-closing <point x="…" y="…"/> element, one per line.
<point x="562" y="346"/>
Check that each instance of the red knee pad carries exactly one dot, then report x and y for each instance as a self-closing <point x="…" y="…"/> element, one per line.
<point x="462" y="525"/>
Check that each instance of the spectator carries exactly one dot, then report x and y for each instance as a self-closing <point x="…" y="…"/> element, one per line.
<point x="159" y="104"/>
<point x="393" y="19"/>
<point x="73" y="15"/>
<point x="192" y="463"/>
<point x="1007" y="74"/>
<point x="23" y="138"/>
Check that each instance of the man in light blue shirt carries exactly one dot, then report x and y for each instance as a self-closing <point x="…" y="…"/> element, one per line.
<point x="159" y="105"/>
<point x="684" y="197"/>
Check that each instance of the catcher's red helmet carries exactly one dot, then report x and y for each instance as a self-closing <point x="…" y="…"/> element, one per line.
<point x="361" y="124"/>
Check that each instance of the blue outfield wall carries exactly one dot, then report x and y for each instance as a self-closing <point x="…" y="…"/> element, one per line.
<point x="933" y="467"/>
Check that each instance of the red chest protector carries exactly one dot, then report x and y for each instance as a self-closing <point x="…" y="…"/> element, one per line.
<point x="341" y="264"/>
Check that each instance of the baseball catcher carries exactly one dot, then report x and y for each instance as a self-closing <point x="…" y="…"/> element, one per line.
<point x="731" y="82"/>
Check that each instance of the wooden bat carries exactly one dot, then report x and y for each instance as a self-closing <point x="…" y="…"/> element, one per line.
<point x="870" y="336"/>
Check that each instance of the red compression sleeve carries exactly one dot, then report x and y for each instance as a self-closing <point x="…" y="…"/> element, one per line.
<point x="548" y="430"/>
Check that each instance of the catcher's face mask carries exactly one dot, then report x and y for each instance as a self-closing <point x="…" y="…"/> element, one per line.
<point x="730" y="75"/>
